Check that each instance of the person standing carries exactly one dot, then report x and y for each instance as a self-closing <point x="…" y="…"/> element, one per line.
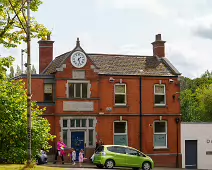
<point x="81" y="157"/>
<point x="98" y="144"/>
<point x="73" y="155"/>
<point x="60" y="150"/>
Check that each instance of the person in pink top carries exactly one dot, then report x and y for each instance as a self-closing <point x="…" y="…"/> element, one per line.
<point x="60" y="150"/>
<point x="81" y="157"/>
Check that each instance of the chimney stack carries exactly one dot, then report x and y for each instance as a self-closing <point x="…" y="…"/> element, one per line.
<point x="158" y="46"/>
<point x="45" y="53"/>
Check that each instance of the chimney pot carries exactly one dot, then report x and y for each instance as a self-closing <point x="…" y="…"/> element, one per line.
<point x="158" y="46"/>
<point x="158" y="37"/>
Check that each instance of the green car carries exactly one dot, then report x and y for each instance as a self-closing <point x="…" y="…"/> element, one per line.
<point x="121" y="156"/>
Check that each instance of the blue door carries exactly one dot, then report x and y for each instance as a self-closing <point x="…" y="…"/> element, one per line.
<point x="77" y="142"/>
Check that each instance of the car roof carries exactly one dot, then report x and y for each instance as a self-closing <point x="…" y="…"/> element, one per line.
<point x="121" y="146"/>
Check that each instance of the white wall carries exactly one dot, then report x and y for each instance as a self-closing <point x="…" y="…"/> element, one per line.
<point x="200" y="132"/>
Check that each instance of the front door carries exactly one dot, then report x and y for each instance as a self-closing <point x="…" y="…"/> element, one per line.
<point x="191" y="154"/>
<point x="77" y="142"/>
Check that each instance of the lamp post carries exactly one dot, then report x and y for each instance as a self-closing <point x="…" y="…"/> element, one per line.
<point x="29" y="90"/>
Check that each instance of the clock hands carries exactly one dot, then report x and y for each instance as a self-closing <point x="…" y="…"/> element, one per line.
<point x="79" y="60"/>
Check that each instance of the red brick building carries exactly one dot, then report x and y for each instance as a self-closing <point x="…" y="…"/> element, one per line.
<point x="122" y="99"/>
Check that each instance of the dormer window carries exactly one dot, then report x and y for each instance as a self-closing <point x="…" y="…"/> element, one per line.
<point x="120" y="94"/>
<point x="160" y="94"/>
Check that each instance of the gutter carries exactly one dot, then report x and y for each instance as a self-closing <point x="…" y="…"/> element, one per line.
<point x="140" y="113"/>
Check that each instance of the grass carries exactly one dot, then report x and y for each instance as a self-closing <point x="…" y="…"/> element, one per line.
<point x="20" y="167"/>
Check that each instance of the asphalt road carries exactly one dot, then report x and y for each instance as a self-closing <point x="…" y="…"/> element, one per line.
<point x="125" y="169"/>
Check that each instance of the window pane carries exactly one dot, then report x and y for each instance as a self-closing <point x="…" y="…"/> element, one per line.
<point x="65" y="122"/>
<point x="132" y="152"/>
<point x="111" y="149"/>
<point x="83" y="122"/>
<point x="71" y="90"/>
<point x="160" y="140"/>
<point x="160" y="127"/>
<point x="118" y="149"/>
<point x="84" y="90"/>
<point x="72" y="122"/>
<point x="47" y="88"/>
<point x="65" y="136"/>
<point x="119" y="99"/>
<point x="48" y="97"/>
<point x="78" y="90"/>
<point x="90" y="122"/>
<point x="90" y="137"/>
<point x="119" y="88"/>
<point x="77" y="122"/>
<point x="159" y="99"/>
<point x="160" y="89"/>
<point x="120" y="140"/>
<point x="120" y="127"/>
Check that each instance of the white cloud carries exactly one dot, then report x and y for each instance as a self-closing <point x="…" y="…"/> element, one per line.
<point x="133" y="49"/>
<point x="152" y="6"/>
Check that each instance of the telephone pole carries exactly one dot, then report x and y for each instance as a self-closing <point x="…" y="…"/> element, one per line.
<point x="29" y="90"/>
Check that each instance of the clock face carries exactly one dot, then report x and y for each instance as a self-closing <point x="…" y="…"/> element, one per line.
<point x="78" y="59"/>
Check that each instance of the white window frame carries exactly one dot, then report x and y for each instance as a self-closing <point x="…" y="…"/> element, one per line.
<point x="162" y="85"/>
<point x="79" y="82"/>
<point x="117" y="134"/>
<point x="160" y="133"/>
<point x="125" y="94"/>
<point x="82" y="129"/>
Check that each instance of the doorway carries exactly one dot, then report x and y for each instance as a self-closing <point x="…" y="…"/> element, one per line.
<point x="191" y="154"/>
<point x="78" y="142"/>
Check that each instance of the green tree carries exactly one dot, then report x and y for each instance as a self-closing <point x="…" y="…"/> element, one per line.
<point x="13" y="22"/>
<point x="13" y="121"/>
<point x="12" y="73"/>
<point x="5" y="63"/>
<point x="196" y="98"/>
<point x="18" y="71"/>
<point x="33" y="70"/>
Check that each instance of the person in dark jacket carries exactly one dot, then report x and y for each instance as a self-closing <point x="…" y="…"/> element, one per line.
<point x="98" y="144"/>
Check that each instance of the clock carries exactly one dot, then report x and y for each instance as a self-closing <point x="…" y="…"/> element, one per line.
<point x="78" y="59"/>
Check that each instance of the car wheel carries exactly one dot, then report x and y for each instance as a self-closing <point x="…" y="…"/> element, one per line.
<point x="100" y="166"/>
<point x="146" y="166"/>
<point x="109" y="164"/>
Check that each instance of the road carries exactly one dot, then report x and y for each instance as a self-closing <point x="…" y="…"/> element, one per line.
<point x="124" y="169"/>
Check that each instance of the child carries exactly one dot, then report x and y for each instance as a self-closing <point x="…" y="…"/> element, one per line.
<point x="73" y="155"/>
<point x="81" y="158"/>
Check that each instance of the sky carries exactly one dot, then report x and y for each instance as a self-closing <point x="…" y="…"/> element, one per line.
<point x="129" y="27"/>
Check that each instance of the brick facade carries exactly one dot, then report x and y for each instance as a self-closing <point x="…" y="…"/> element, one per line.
<point x="139" y="113"/>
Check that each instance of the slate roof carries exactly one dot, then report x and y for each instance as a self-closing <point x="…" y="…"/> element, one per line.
<point x="113" y="64"/>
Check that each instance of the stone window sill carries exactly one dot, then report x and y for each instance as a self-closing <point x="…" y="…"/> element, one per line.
<point x="120" y="106"/>
<point x="160" y="106"/>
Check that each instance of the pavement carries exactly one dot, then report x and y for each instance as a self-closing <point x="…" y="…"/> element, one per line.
<point x="91" y="166"/>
